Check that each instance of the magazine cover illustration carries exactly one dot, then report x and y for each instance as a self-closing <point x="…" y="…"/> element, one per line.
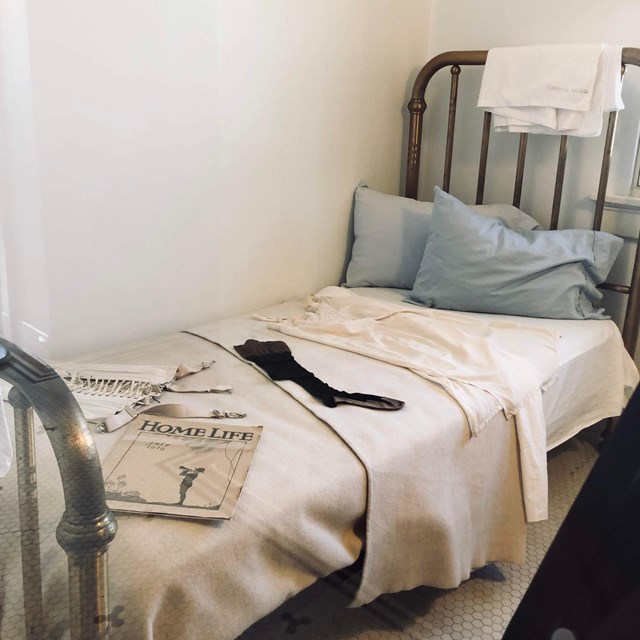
<point x="172" y="466"/>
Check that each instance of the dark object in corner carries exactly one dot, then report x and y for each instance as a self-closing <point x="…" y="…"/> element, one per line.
<point x="588" y="585"/>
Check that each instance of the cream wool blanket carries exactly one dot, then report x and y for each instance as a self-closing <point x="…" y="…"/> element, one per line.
<point x="439" y="502"/>
<point x="464" y="357"/>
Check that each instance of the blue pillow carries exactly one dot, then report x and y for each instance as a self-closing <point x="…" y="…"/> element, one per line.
<point x="475" y="263"/>
<point x="391" y="233"/>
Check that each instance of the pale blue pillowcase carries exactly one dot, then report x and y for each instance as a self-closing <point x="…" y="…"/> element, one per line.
<point x="390" y="236"/>
<point x="391" y="233"/>
<point x="475" y="263"/>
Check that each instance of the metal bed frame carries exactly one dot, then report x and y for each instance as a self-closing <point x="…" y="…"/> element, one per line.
<point x="417" y="107"/>
<point x="87" y="525"/>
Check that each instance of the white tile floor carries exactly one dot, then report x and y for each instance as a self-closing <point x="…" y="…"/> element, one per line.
<point x="480" y="608"/>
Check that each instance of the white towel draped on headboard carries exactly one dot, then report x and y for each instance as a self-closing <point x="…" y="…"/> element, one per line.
<point x="553" y="89"/>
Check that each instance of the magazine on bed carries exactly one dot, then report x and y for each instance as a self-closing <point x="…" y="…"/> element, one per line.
<point x="177" y="467"/>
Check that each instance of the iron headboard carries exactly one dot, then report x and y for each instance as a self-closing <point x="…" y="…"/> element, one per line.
<point x="417" y="107"/>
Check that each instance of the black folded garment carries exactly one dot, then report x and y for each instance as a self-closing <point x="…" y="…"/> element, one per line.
<point x="276" y="359"/>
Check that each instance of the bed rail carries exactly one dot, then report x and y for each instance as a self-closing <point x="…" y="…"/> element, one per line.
<point x="417" y="106"/>
<point x="87" y="526"/>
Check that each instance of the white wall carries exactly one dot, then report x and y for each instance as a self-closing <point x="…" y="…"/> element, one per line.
<point x="192" y="160"/>
<point x="24" y="296"/>
<point x="468" y="24"/>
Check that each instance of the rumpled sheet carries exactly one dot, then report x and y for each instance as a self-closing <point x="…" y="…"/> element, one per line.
<point x="427" y="444"/>
<point x="466" y="358"/>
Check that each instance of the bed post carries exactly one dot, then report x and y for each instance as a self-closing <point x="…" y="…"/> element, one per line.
<point x="417" y="107"/>
<point x="87" y="526"/>
<point x="28" y="514"/>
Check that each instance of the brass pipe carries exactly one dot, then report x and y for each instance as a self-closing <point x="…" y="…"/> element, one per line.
<point x="618" y="288"/>
<point x="557" y="192"/>
<point x="28" y="515"/>
<point x="484" y="155"/>
<point x="416" y="109"/>
<point x="604" y="170"/>
<point x="451" y="127"/>
<point x="522" y="156"/>
<point x="89" y="595"/>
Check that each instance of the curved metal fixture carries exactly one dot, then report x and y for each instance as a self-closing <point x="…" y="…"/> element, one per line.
<point x="87" y="525"/>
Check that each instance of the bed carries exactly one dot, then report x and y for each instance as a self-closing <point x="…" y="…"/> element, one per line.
<point x="418" y="496"/>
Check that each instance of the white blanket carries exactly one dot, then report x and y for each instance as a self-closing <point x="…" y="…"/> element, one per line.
<point x="466" y="358"/>
<point x="424" y="471"/>
<point x="556" y="89"/>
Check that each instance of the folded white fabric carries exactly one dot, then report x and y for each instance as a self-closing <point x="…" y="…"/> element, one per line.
<point x="552" y="89"/>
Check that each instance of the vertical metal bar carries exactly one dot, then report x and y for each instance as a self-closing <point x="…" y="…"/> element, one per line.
<point x="417" y="108"/>
<point x="557" y="193"/>
<point x="29" y="515"/>
<point x="453" y="100"/>
<point x="604" y="170"/>
<point x="522" y="154"/>
<point x="632" y="315"/>
<point x="89" y="596"/>
<point x="484" y="154"/>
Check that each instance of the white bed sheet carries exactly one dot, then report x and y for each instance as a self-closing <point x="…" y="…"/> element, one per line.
<point x="596" y="375"/>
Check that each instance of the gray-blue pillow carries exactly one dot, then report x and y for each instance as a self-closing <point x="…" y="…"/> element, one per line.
<point x="391" y="233"/>
<point x="390" y="236"/>
<point x="475" y="263"/>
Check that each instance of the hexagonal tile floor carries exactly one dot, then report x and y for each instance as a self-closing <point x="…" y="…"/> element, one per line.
<point x="479" y="609"/>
